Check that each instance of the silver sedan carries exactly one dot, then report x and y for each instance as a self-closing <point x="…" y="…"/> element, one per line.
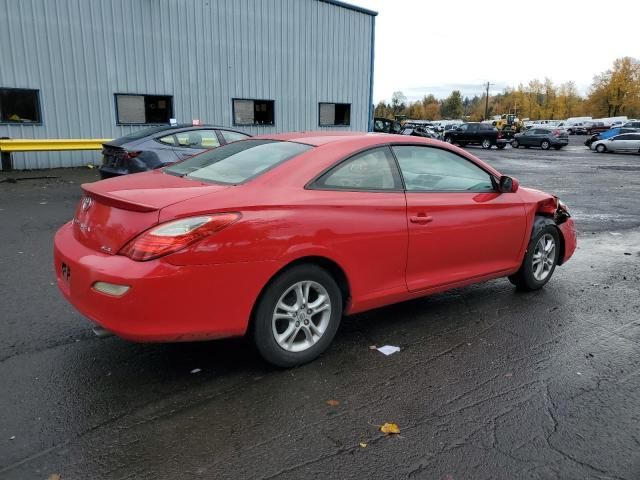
<point x="627" y="142"/>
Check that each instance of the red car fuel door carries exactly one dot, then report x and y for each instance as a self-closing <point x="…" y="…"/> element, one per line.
<point x="460" y="228"/>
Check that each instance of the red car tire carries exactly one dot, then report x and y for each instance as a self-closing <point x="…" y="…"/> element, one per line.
<point x="270" y="333"/>
<point x="532" y="275"/>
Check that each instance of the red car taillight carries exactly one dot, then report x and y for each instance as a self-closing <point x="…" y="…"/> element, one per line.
<point x="176" y="235"/>
<point x="556" y="133"/>
<point x="128" y="155"/>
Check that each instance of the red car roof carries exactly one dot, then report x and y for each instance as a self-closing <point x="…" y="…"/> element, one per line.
<point x="322" y="138"/>
<point x="362" y="140"/>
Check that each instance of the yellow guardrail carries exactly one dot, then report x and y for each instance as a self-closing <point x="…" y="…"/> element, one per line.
<point x="49" y="145"/>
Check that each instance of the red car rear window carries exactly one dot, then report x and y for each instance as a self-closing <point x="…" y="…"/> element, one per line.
<point x="237" y="162"/>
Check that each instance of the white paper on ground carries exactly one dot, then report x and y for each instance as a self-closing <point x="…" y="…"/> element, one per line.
<point x="388" y="349"/>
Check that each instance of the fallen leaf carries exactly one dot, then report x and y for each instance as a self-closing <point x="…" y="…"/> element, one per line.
<point x="363" y="445"/>
<point x="333" y="403"/>
<point x="54" y="476"/>
<point x="390" y="428"/>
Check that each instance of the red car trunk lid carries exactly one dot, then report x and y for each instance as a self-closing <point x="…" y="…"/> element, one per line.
<point x="114" y="211"/>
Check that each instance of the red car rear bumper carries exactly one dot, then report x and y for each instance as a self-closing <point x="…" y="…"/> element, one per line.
<point x="568" y="230"/>
<point x="165" y="303"/>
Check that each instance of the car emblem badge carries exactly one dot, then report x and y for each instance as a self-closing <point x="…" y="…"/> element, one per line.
<point x="86" y="203"/>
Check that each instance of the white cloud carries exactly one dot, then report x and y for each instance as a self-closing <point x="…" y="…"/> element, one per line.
<point x="430" y="47"/>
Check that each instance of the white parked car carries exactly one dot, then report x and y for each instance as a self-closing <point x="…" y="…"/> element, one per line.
<point x="632" y="124"/>
<point x="623" y="143"/>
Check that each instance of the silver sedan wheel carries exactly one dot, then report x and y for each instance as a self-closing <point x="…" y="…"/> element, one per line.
<point x="544" y="257"/>
<point x="301" y="316"/>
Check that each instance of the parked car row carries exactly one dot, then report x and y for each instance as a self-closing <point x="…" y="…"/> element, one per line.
<point x="416" y="128"/>
<point x="420" y="129"/>
<point x="584" y="125"/>
<point x="486" y="135"/>
<point x="160" y="146"/>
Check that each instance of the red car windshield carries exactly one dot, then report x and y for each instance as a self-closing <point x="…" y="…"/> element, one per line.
<point x="237" y="162"/>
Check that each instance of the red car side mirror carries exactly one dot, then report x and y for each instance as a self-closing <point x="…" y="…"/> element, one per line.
<point x="508" y="184"/>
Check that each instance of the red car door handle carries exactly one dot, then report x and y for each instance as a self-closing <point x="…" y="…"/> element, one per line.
<point x="422" y="219"/>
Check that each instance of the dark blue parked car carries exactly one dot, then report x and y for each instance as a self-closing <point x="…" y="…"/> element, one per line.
<point x="156" y="147"/>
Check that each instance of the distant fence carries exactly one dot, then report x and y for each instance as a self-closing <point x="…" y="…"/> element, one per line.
<point x="9" y="145"/>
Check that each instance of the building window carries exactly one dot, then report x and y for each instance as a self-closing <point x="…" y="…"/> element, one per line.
<point x="253" y="112"/>
<point x="143" y="109"/>
<point x="335" y="114"/>
<point x="19" y="105"/>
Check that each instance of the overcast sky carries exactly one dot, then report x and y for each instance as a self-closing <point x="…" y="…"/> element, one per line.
<point x="436" y="46"/>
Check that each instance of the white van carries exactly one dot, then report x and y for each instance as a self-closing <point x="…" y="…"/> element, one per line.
<point x="578" y="119"/>
<point x="612" y="120"/>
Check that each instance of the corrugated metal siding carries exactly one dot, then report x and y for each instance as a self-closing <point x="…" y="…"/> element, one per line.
<point x="78" y="53"/>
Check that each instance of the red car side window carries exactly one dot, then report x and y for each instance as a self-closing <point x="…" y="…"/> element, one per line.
<point x="370" y="170"/>
<point x="438" y="170"/>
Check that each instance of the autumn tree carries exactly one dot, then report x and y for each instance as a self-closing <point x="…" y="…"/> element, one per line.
<point x="383" y="110"/>
<point x="415" y="110"/>
<point x="568" y="102"/>
<point x="616" y="91"/>
<point x="398" y="103"/>
<point x="452" y="106"/>
<point x="430" y="107"/>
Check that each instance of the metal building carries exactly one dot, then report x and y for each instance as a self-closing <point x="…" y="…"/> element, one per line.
<point x="103" y="68"/>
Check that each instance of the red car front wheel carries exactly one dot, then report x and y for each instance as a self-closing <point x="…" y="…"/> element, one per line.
<point x="540" y="260"/>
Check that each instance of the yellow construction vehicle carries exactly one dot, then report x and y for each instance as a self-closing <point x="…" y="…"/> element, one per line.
<point x="507" y="121"/>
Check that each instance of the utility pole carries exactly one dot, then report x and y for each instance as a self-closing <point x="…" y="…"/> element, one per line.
<point x="486" y="106"/>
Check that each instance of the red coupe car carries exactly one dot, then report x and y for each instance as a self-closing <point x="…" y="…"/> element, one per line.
<point x="281" y="236"/>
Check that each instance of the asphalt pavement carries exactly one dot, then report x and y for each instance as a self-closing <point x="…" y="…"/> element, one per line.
<point x="489" y="383"/>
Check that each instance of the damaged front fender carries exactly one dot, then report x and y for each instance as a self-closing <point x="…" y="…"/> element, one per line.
<point x="545" y="209"/>
<point x="551" y="211"/>
<point x="552" y="207"/>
